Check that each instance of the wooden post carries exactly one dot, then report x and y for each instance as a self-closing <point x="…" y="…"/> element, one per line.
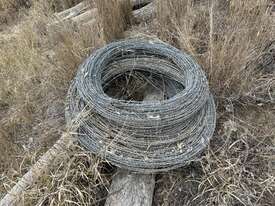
<point x="130" y="188"/>
<point x="73" y="11"/>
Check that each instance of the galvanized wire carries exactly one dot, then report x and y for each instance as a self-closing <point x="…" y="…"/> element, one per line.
<point x="142" y="136"/>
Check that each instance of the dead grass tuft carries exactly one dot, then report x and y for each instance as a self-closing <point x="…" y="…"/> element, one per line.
<point x="36" y="67"/>
<point x="80" y="178"/>
<point x="237" y="168"/>
<point x="221" y="35"/>
<point x="10" y="10"/>
<point x="114" y="16"/>
<point x="15" y="4"/>
<point x="60" y="5"/>
<point x="232" y="40"/>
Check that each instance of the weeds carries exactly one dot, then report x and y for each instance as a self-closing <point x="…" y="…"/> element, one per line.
<point x="36" y="67"/>
<point x="79" y="178"/>
<point x="14" y="4"/>
<point x="221" y="35"/>
<point x="230" y="39"/>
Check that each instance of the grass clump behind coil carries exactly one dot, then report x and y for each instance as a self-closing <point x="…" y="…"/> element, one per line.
<point x="228" y="39"/>
<point x="221" y="35"/>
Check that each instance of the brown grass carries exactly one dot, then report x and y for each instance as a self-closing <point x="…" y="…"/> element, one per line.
<point x="228" y="39"/>
<point x="236" y="169"/>
<point x="60" y="5"/>
<point x="80" y="179"/>
<point x="56" y="5"/>
<point x="36" y="67"/>
<point x="221" y="35"/>
<point x="16" y="4"/>
<point x="10" y="10"/>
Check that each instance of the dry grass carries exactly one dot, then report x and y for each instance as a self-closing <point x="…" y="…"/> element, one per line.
<point x="56" y="5"/>
<point x="237" y="168"/>
<point x="222" y="35"/>
<point x="16" y="4"/>
<point x="10" y="10"/>
<point x="78" y="179"/>
<point x="229" y="40"/>
<point x="36" y="67"/>
<point x="60" y="5"/>
<point x="114" y="16"/>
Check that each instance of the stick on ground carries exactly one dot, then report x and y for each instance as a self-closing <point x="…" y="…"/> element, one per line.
<point x="37" y="170"/>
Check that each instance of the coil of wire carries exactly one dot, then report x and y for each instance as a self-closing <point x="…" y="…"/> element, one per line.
<point x="142" y="136"/>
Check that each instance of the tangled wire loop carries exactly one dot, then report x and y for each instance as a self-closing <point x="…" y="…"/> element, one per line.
<point x="147" y="136"/>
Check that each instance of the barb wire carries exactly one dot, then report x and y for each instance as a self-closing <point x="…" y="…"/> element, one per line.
<point x="142" y="136"/>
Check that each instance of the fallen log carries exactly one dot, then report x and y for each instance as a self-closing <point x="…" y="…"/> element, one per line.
<point x="73" y="11"/>
<point x="79" y="20"/>
<point x="86" y="16"/>
<point x="145" y="13"/>
<point x="83" y="6"/>
<point x="37" y="170"/>
<point x="81" y="13"/>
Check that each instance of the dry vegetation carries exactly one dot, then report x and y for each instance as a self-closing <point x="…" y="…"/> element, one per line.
<point x="232" y="40"/>
<point x="229" y="39"/>
<point x="36" y="66"/>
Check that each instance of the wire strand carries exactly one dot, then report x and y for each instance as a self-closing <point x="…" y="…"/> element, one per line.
<point x="142" y="136"/>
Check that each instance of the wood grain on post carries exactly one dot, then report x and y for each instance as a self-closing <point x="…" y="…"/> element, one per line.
<point x="130" y="188"/>
<point x="73" y="11"/>
<point x="86" y="16"/>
